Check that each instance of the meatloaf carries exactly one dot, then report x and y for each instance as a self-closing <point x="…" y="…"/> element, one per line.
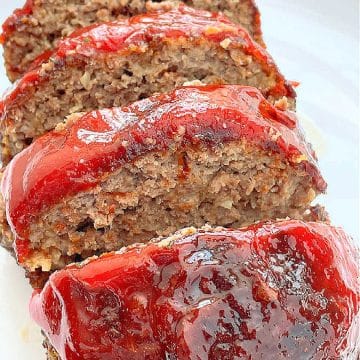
<point x="218" y="154"/>
<point x="281" y="290"/>
<point x="116" y="63"/>
<point x="37" y="27"/>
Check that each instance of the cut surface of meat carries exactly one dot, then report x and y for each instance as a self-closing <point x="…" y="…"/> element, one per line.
<point x="40" y="24"/>
<point x="281" y="290"/>
<point x="210" y="154"/>
<point x="116" y="63"/>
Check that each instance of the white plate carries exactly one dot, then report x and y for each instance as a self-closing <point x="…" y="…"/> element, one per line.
<point x="314" y="42"/>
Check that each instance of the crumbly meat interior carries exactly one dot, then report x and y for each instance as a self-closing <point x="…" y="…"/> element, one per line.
<point x="50" y="351"/>
<point x="119" y="80"/>
<point x="51" y="20"/>
<point x="233" y="185"/>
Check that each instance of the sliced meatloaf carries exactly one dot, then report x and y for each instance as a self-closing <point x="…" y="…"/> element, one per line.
<point x="217" y="154"/>
<point x="281" y="290"/>
<point x="116" y="63"/>
<point x="37" y="27"/>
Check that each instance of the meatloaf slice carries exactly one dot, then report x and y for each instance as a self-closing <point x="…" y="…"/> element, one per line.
<point x="116" y="63"/>
<point x="281" y="290"/>
<point x="217" y="154"/>
<point x="38" y="26"/>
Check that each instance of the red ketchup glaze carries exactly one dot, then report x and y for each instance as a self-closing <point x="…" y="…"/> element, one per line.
<point x="15" y="19"/>
<point x="134" y="34"/>
<point x="283" y="290"/>
<point x="62" y="163"/>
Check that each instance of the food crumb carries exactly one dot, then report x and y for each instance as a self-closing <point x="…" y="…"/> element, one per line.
<point x="24" y="333"/>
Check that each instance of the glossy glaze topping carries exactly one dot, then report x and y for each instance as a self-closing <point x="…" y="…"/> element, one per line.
<point x="285" y="290"/>
<point x="67" y="161"/>
<point x="136" y="34"/>
<point x="15" y="20"/>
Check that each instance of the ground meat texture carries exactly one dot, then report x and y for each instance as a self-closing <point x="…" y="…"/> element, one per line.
<point x="38" y="278"/>
<point x="280" y="290"/>
<point x="216" y="154"/>
<point x="116" y="63"/>
<point x="38" y="26"/>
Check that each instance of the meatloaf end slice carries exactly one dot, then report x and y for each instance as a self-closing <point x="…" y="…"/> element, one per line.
<point x="40" y="24"/>
<point x="284" y="287"/>
<point x="216" y="154"/>
<point x="117" y="63"/>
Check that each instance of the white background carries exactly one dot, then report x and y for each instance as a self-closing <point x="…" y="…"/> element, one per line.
<point x="314" y="42"/>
